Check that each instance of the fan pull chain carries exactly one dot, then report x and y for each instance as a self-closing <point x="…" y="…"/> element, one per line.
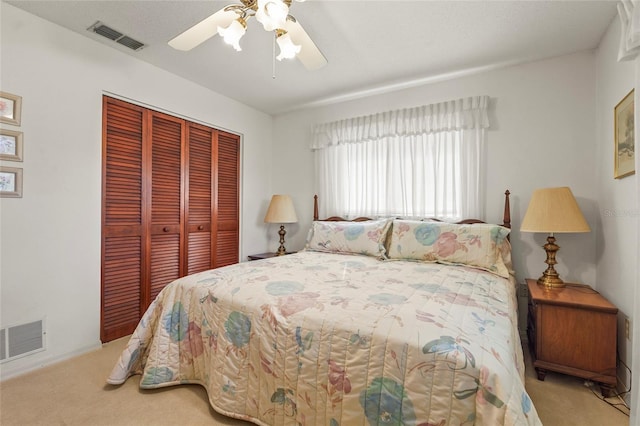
<point x="273" y="57"/>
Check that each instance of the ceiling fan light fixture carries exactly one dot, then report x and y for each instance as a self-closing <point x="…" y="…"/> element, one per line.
<point x="234" y="32"/>
<point x="230" y="23"/>
<point x="288" y="50"/>
<point x="272" y="14"/>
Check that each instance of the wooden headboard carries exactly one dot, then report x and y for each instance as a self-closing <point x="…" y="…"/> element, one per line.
<point x="506" y="216"/>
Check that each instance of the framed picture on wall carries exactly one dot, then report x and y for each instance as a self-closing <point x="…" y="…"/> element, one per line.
<point x="624" y="150"/>
<point x="10" y="108"/>
<point x="10" y="145"/>
<point x="10" y="182"/>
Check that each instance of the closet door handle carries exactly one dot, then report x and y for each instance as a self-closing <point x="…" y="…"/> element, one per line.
<point x="165" y="229"/>
<point x="200" y="228"/>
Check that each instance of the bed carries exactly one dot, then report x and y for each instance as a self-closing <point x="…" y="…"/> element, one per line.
<point x="376" y="322"/>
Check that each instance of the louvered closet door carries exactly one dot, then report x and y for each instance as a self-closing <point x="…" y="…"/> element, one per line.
<point x="227" y="209"/>
<point x="199" y="198"/>
<point x="170" y="207"/>
<point x="122" y="218"/>
<point x="166" y="188"/>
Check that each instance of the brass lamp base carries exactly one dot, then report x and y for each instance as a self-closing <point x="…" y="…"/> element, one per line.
<point x="550" y="278"/>
<point x="281" y="250"/>
<point x="550" y="282"/>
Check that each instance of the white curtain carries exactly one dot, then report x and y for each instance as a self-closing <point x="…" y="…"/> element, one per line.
<point x="629" y="16"/>
<point x="418" y="162"/>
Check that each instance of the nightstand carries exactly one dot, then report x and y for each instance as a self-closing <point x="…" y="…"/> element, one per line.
<point x="265" y="255"/>
<point x="572" y="330"/>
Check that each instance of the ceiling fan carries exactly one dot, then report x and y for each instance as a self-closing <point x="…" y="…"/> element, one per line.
<point x="230" y="22"/>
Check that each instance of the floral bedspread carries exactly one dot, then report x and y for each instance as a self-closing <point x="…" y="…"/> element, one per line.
<point x="330" y="339"/>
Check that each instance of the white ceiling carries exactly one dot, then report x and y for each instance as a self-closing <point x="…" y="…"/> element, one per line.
<point x="371" y="46"/>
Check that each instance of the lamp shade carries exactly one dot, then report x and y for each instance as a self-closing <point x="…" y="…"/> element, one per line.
<point x="281" y="210"/>
<point x="554" y="210"/>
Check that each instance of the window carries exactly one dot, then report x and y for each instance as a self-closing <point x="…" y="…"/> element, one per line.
<point x="418" y="162"/>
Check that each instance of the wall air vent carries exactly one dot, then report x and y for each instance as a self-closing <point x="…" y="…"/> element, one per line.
<point x="117" y="36"/>
<point x="21" y="340"/>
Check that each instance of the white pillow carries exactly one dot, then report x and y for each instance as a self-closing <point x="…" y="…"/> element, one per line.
<point x="367" y="238"/>
<point x="479" y="245"/>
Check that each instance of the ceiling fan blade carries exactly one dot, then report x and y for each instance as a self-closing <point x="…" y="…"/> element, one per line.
<point x="309" y="55"/>
<point x="203" y="30"/>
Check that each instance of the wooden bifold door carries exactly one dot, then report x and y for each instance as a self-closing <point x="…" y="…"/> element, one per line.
<point x="170" y="207"/>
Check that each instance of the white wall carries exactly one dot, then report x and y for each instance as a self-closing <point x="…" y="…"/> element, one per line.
<point x="542" y="134"/>
<point x="50" y="245"/>
<point x="617" y="215"/>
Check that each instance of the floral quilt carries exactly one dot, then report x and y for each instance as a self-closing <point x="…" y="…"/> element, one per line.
<point x="332" y="339"/>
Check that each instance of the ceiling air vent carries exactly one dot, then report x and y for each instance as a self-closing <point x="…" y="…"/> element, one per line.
<point x="117" y="36"/>
<point x="130" y="43"/>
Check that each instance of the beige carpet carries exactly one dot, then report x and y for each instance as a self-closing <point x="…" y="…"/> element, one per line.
<point x="74" y="393"/>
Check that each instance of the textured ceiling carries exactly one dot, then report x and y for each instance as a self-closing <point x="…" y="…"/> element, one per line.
<point x="371" y="46"/>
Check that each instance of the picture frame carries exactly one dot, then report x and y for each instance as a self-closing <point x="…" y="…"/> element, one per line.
<point x="10" y="108"/>
<point x="10" y="182"/>
<point x="624" y="142"/>
<point x="10" y="145"/>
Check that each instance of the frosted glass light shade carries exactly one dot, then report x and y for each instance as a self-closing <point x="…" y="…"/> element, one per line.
<point x="288" y="50"/>
<point x="281" y="210"/>
<point x="554" y="210"/>
<point x="272" y="14"/>
<point x="233" y="33"/>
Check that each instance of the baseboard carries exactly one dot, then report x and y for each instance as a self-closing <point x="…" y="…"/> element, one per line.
<point x="6" y="372"/>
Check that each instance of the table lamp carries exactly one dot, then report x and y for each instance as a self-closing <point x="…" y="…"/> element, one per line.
<point x="553" y="210"/>
<point x="281" y="211"/>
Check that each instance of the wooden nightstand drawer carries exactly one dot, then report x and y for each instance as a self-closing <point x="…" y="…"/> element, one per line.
<point x="572" y="330"/>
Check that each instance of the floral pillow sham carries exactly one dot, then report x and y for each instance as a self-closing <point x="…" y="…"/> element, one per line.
<point x="367" y="238"/>
<point x="478" y="245"/>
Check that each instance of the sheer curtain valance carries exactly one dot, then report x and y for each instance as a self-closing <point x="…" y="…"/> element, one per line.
<point x="414" y="162"/>
<point x="456" y="115"/>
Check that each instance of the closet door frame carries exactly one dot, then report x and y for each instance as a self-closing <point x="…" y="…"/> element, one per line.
<point x="146" y="229"/>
